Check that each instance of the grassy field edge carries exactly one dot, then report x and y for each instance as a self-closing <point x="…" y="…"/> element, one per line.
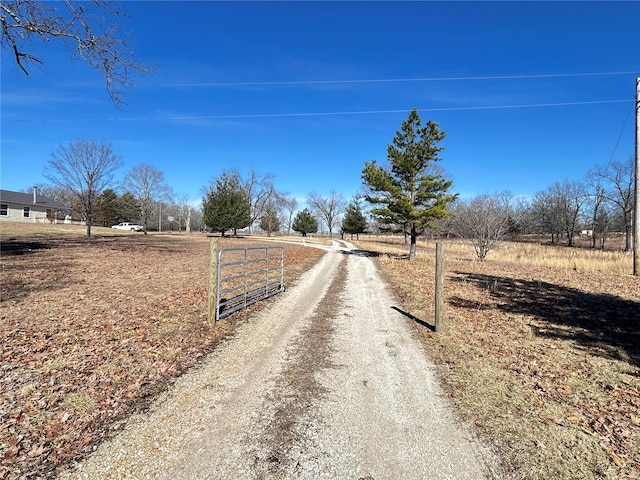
<point x="542" y="360"/>
<point x="93" y="329"/>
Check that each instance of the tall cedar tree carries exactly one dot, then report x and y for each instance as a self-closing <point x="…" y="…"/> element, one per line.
<point x="113" y="209"/>
<point x="410" y="193"/>
<point x="227" y="205"/>
<point x="128" y="208"/>
<point x="354" y="222"/>
<point x="305" y="223"/>
<point x="270" y="221"/>
<point x="106" y="213"/>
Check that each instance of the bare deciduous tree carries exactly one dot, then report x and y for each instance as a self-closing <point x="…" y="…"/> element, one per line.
<point x="522" y="216"/>
<point x="328" y="208"/>
<point x="261" y="192"/>
<point x="619" y="178"/>
<point x="483" y="221"/>
<point x="180" y="209"/>
<point x="559" y="209"/>
<point x="288" y="204"/>
<point x="546" y="213"/>
<point x="91" y="29"/>
<point x="597" y="196"/>
<point x="59" y="194"/>
<point x="85" y="168"/>
<point x="146" y="183"/>
<point x="570" y="197"/>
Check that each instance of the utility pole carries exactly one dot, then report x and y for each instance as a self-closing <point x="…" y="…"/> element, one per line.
<point x="636" y="209"/>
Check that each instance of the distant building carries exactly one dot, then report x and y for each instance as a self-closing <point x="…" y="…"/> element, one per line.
<point x="34" y="208"/>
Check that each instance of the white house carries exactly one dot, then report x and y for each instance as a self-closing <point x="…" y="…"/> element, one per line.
<point x="26" y="207"/>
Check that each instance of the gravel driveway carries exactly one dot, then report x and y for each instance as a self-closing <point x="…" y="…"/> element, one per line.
<point x="326" y="382"/>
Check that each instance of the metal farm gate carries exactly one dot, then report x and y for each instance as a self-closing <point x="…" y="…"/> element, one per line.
<point x="246" y="275"/>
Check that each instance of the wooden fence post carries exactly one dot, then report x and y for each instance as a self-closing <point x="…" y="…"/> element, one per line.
<point x="439" y="286"/>
<point x="213" y="281"/>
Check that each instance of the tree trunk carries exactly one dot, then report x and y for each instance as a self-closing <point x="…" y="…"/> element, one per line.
<point x="412" y="248"/>
<point x="88" y="218"/>
<point x="569" y="239"/>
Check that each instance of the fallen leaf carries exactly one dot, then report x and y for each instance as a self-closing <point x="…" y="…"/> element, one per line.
<point x="37" y="451"/>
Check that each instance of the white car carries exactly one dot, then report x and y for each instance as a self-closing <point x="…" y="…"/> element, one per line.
<point x="129" y="226"/>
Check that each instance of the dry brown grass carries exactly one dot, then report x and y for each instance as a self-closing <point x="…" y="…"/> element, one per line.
<point x="583" y="259"/>
<point x="563" y="258"/>
<point x="540" y="353"/>
<point x="93" y="328"/>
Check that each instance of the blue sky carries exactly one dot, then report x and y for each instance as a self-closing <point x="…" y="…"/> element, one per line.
<point x="529" y="93"/>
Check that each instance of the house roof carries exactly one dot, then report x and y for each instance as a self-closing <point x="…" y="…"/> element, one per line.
<point x="7" y="196"/>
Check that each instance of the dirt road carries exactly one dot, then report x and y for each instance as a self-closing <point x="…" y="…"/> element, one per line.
<point x="326" y="382"/>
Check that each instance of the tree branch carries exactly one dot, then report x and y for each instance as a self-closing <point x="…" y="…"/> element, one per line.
<point x="97" y="41"/>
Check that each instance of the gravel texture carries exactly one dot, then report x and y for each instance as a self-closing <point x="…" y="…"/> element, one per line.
<point x="327" y="381"/>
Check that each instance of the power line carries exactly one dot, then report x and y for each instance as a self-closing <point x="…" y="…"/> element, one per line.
<point x="621" y="132"/>
<point x="392" y="80"/>
<point x="334" y="113"/>
<point x="371" y="112"/>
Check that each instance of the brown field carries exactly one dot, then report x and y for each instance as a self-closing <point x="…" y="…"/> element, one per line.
<point x="92" y="329"/>
<point x="540" y="350"/>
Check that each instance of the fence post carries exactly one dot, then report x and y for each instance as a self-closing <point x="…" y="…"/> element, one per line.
<point x="439" y="286"/>
<point x="213" y="281"/>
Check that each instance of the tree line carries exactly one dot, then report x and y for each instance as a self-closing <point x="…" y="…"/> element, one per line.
<point x="409" y="194"/>
<point x="82" y="175"/>
<point x="232" y="203"/>
<point x="595" y="207"/>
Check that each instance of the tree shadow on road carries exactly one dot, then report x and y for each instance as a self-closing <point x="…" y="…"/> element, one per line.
<point x="601" y="324"/>
<point x="361" y="253"/>
<point x="374" y="254"/>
